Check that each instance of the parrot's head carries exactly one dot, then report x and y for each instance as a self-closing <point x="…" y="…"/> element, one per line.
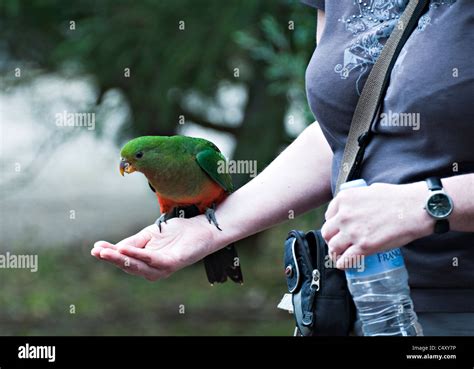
<point x="140" y="154"/>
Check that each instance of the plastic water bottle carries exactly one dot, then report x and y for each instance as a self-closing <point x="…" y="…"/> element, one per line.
<point x="381" y="293"/>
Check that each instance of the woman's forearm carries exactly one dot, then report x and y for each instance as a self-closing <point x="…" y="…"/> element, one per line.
<point x="295" y="182"/>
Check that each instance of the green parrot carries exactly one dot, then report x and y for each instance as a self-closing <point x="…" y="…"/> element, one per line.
<point x="186" y="175"/>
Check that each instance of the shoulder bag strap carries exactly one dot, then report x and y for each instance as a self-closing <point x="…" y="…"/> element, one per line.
<point x="373" y="92"/>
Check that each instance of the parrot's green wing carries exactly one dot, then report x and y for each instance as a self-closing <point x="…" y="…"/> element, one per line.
<point x="214" y="164"/>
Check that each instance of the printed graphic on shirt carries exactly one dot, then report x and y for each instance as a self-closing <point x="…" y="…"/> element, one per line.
<point x="425" y="20"/>
<point x="371" y="24"/>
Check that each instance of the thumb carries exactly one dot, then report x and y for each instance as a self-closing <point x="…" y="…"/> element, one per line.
<point x="137" y="240"/>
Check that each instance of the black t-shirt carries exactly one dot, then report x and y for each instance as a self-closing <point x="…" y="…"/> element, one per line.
<point x="426" y="127"/>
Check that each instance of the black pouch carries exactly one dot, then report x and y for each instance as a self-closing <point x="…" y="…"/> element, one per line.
<point x="322" y="303"/>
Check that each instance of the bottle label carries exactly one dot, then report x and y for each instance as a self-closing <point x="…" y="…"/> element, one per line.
<point x="377" y="263"/>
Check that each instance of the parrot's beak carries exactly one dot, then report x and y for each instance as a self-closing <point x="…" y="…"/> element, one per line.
<point x="126" y="167"/>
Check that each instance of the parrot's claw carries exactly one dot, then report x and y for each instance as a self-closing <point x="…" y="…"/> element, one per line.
<point x="162" y="219"/>
<point x="211" y="216"/>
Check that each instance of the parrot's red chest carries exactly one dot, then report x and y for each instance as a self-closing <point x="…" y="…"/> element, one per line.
<point x="211" y="194"/>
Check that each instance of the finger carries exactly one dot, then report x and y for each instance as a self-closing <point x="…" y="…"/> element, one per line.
<point x="104" y="245"/>
<point x="96" y="252"/>
<point x="329" y="230"/>
<point x="332" y="209"/>
<point x="353" y="257"/>
<point x="144" y="255"/>
<point x="157" y="260"/>
<point x="130" y="265"/>
<point x="137" y="240"/>
<point x="100" y="245"/>
<point x="116" y="258"/>
<point x="338" y="244"/>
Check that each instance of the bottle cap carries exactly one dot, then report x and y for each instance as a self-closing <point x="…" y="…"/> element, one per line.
<point x="355" y="183"/>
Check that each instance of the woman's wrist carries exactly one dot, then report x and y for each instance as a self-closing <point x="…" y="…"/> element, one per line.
<point x="217" y="239"/>
<point x="461" y="190"/>
<point x="422" y="224"/>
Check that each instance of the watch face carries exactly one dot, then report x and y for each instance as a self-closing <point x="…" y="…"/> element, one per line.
<point x="439" y="205"/>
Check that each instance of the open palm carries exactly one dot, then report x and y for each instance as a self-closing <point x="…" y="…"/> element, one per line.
<point x="154" y="254"/>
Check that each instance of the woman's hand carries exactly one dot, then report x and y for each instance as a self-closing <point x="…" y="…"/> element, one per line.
<point x="156" y="255"/>
<point x="366" y="220"/>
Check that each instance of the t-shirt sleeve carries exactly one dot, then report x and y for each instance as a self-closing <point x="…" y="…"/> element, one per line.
<point x="314" y="3"/>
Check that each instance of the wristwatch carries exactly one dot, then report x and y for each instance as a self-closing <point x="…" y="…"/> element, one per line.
<point x="438" y="205"/>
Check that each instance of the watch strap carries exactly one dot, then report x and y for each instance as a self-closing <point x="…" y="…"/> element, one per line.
<point x="441" y="226"/>
<point x="434" y="184"/>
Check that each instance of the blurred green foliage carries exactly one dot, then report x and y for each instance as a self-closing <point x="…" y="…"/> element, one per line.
<point x="269" y="41"/>
<point x="165" y="60"/>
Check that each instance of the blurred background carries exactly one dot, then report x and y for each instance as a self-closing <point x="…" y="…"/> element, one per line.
<point x="228" y="71"/>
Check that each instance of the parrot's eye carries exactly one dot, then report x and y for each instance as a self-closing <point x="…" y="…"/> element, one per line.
<point x="139" y="155"/>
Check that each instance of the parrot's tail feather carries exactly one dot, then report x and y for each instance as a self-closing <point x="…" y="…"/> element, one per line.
<point x="223" y="264"/>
